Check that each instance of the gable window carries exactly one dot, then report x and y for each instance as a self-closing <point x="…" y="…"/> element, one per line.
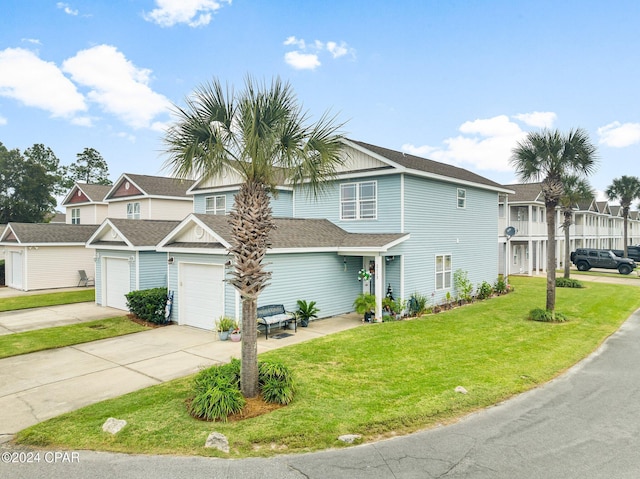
<point x="215" y="205"/>
<point x="443" y="271"/>
<point x="75" y="216"/>
<point x="359" y="201"/>
<point x="462" y="198"/>
<point x="133" y="211"/>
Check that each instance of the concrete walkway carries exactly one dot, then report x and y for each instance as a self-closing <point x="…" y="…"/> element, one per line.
<point x="38" y="386"/>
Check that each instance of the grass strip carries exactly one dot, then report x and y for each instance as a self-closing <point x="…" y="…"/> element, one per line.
<point x="60" y="336"/>
<point x="49" y="299"/>
<point x="377" y="380"/>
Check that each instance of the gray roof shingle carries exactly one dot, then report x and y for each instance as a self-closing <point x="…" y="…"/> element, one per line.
<point x="161" y="185"/>
<point x="96" y="193"/>
<point x="428" y="166"/>
<point x="143" y="232"/>
<point x="43" y="233"/>
<point x="526" y="192"/>
<point x="296" y="233"/>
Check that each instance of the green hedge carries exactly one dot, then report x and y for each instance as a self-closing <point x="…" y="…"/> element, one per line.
<point x="148" y="304"/>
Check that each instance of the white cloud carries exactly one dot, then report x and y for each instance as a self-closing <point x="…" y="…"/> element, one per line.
<point x="485" y="144"/>
<point x="3" y="120"/>
<point x="67" y="8"/>
<point x="37" y="83"/>
<point x="294" y="41"/>
<point x="337" y="50"/>
<point x="117" y="85"/>
<point x="537" y="119"/>
<point x="302" y="61"/>
<point x="307" y="55"/>
<point x="619" y="135"/>
<point x="195" y="13"/>
<point x="33" y="41"/>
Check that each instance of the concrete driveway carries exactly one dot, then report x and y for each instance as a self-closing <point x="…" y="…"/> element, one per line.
<point x="38" y="386"/>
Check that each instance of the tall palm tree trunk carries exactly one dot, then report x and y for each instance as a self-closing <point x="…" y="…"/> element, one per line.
<point x="251" y="222"/>
<point x="551" y="255"/>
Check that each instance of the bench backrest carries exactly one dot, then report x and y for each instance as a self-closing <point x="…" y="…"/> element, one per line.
<point x="270" y="310"/>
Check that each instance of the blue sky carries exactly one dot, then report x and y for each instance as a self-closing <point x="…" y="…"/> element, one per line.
<point x="457" y="81"/>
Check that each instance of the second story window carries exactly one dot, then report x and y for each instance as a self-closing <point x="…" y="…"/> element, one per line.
<point x="462" y="198"/>
<point x="359" y="201"/>
<point x="133" y="211"/>
<point x="75" y="216"/>
<point x="215" y="205"/>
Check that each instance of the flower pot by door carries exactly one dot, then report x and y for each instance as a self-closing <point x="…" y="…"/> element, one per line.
<point x="235" y="337"/>
<point x="223" y="335"/>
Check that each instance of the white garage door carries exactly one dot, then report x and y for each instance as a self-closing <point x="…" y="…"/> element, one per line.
<point x="16" y="270"/>
<point x="201" y="294"/>
<point x="116" y="284"/>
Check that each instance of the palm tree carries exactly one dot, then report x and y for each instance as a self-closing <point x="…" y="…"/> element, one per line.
<point x="549" y="156"/>
<point x="575" y="190"/>
<point x="262" y="134"/>
<point x="625" y="189"/>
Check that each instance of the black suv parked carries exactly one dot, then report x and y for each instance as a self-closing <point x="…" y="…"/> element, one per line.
<point x="586" y="258"/>
<point x="633" y="252"/>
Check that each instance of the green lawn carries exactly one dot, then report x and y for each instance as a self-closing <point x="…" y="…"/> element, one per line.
<point x="377" y="380"/>
<point x="49" y="299"/>
<point x="60" y="336"/>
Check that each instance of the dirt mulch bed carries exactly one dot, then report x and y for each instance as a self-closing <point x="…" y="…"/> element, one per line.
<point x="148" y="324"/>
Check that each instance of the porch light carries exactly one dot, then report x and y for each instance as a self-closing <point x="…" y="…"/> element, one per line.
<point x="170" y="260"/>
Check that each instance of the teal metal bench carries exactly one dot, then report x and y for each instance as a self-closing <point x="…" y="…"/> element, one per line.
<point x="275" y="316"/>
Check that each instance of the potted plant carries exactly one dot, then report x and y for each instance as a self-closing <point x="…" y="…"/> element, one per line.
<point x="306" y="311"/>
<point x="365" y="304"/>
<point x="235" y="334"/>
<point x="224" y="326"/>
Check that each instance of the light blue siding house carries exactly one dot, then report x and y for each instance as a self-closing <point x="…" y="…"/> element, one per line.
<point x="126" y="258"/>
<point x="310" y="259"/>
<point x="410" y="221"/>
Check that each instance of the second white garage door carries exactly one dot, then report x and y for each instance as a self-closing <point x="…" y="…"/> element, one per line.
<point x="201" y="296"/>
<point x="117" y="282"/>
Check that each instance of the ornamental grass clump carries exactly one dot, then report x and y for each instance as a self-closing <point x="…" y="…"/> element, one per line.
<point x="217" y="392"/>
<point x="546" y="316"/>
<point x="276" y="382"/>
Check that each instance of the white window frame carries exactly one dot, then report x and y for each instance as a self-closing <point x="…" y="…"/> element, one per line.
<point x="461" y="194"/>
<point x="75" y="216"/>
<point x="443" y="272"/>
<point x="358" y="208"/>
<point x="133" y="211"/>
<point x="216" y="210"/>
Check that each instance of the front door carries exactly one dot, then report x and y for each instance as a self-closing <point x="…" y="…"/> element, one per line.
<point x="369" y="264"/>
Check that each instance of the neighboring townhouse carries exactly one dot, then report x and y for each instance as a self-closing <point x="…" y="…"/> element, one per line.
<point x="85" y="204"/>
<point x="431" y="219"/>
<point x="46" y="255"/>
<point x="144" y="197"/>
<point x="126" y="258"/>
<point x="595" y="224"/>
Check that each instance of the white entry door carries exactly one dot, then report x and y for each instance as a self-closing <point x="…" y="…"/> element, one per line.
<point x="16" y="270"/>
<point x="201" y="294"/>
<point x="116" y="282"/>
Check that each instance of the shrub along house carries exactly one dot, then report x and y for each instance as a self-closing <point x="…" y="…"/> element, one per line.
<point x="126" y="258"/>
<point x="431" y="219"/>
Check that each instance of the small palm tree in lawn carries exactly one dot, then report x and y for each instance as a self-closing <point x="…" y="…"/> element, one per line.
<point x="549" y="156"/>
<point x="624" y="189"/>
<point x="262" y="134"/>
<point x="575" y="190"/>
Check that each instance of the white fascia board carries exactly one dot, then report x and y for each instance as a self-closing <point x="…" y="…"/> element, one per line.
<point x="372" y="154"/>
<point x="103" y="226"/>
<point x="39" y="245"/>
<point x="185" y="223"/>
<point x="177" y="249"/>
<point x="328" y="249"/>
<point x="213" y="189"/>
<point x="178" y="229"/>
<point x="220" y="239"/>
<point x="70" y="193"/>
<point x="120" y="248"/>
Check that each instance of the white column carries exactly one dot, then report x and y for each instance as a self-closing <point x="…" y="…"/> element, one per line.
<point x="379" y="284"/>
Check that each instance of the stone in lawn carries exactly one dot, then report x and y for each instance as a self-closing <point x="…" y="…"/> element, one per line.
<point x="349" y="438"/>
<point x="217" y="441"/>
<point x="113" y="425"/>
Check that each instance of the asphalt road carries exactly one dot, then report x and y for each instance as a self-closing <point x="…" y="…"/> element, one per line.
<point x="585" y="424"/>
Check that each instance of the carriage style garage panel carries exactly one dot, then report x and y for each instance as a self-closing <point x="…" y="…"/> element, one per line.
<point x="118" y="282"/>
<point x="201" y="294"/>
